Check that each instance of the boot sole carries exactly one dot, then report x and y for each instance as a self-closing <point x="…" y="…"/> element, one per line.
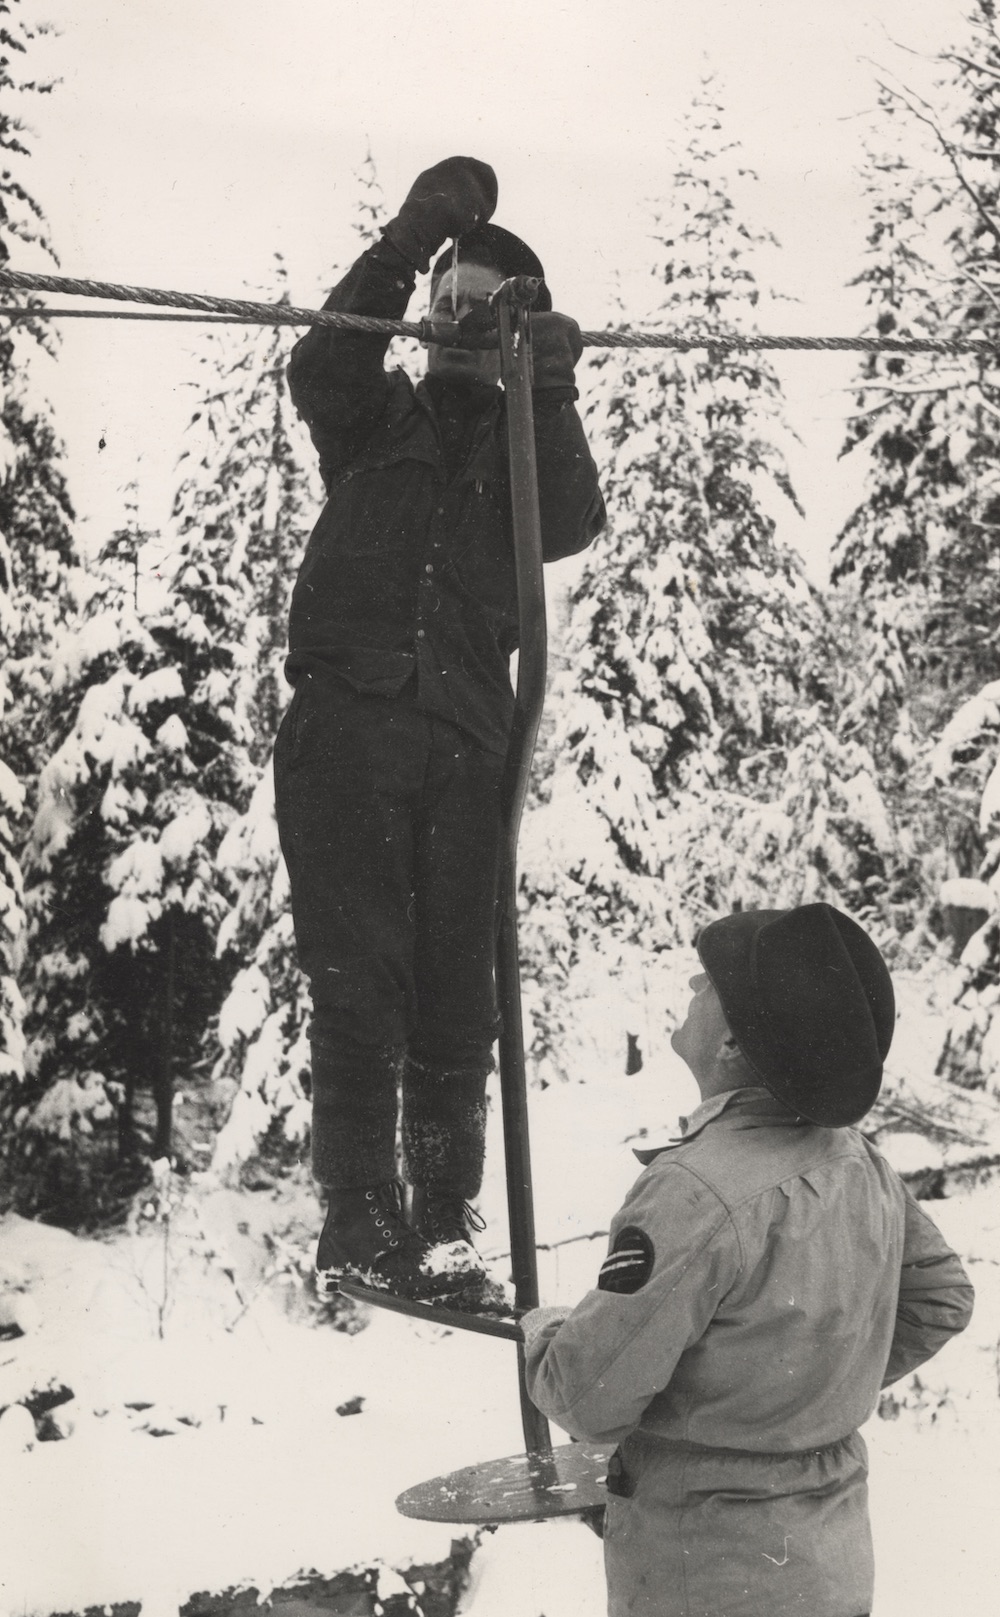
<point x="328" y="1285"/>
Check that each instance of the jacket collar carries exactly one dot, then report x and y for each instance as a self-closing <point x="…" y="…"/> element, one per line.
<point x="486" y="406"/>
<point x="744" y="1108"/>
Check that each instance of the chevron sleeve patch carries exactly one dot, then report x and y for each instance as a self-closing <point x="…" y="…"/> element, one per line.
<point x="629" y="1264"/>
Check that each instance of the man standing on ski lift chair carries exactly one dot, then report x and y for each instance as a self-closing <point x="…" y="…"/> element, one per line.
<point x="767" y="1275"/>
<point x="389" y="759"/>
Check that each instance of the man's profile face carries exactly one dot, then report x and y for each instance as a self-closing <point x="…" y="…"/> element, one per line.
<point x="475" y="283"/>
<point x="698" y="1038"/>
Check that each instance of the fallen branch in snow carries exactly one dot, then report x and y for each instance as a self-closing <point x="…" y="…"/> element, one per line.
<point x="922" y="1120"/>
<point x="550" y="1246"/>
<point x="950" y="1179"/>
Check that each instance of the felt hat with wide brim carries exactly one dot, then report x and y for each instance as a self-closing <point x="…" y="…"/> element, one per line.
<point x="809" y="1001"/>
<point x="500" y="250"/>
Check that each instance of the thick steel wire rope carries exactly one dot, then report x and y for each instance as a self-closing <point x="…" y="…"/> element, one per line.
<point x="221" y="311"/>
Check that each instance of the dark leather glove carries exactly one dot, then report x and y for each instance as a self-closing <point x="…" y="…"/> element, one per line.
<point x="556" y="345"/>
<point x="447" y="200"/>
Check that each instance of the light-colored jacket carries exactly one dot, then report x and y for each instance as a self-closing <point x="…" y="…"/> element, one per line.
<point x="765" y="1279"/>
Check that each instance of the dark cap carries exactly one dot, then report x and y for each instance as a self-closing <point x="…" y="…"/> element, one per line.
<point x="809" y="1001"/>
<point x="500" y="250"/>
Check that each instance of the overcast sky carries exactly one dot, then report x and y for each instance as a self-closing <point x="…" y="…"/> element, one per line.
<point x="186" y="143"/>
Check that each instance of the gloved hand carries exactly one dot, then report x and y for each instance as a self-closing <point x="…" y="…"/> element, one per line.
<point x="556" y="345"/>
<point x="447" y="200"/>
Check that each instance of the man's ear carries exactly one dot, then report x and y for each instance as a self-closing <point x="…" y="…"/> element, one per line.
<point x="729" y="1050"/>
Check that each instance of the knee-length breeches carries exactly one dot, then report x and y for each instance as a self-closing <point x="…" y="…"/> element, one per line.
<point x="389" y="823"/>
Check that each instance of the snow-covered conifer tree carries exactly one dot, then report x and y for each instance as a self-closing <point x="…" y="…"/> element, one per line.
<point x="919" y="552"/>
<point x="264" y="1048"/>
<point x="685" y="676"/>
<point x="262" y="1031"/>
<point x="11" y="904"/>
<point x="35" y="510"/>
<point x="87" y="1043"/>
<point x="693" y="761"/>
<point x="245" y="488"/>
<point x="37" y="557"/>
<point x="967" y="758"/>
<point x="247" y="495"/>
<point x="36" y="515"/>
<point x="123" y="887"/>
<point x="250" y="486"/>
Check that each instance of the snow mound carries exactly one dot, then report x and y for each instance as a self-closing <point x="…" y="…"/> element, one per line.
<point x="218" y="1431"/>
<point x="965" y="892"/>
<point x="552" y="1567"/>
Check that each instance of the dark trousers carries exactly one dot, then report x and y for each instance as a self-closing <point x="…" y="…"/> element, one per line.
<point x="389" y="823"/>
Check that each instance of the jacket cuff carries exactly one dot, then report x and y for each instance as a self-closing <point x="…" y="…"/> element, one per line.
<point x="387" y="253"/>
<point x="537" y="1320"/>
<point x="408" y="245"/>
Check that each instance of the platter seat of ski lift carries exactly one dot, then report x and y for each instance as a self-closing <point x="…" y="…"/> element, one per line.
<point x="564" y="1481"/>
<point x="485" y="1322"/>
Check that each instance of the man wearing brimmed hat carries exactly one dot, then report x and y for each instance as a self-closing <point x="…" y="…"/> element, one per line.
<point x="388" y="761"/>
<point x="768" y="1274"/>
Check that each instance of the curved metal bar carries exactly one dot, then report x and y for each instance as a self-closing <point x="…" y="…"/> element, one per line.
<point x="512" y="302"/>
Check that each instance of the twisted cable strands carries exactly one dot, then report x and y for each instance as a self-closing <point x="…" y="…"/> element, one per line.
<point x="265" y="314"/>
<point x="242" y="312"/>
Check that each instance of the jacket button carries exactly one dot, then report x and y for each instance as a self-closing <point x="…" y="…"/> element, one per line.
<point x="428" y="567"/>
<point x="420" y="634"/>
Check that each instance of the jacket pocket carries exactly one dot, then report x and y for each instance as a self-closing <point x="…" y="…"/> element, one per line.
<point x="622" y="1470"/>
<point x="619" y="1483"/>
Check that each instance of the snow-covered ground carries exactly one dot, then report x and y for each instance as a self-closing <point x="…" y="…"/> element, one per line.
<point x="221" y="1432"/>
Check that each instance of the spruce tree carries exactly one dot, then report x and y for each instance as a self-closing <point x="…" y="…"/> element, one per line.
<point x="919" y="551"/>
<point x="125" y="888"/>
<point x="251" y="483"/>
<point x="11" y="897"/>
<point x="124" y="892"/>
<point x="966" y="759"/>
<point x="252" y="486"/>
<point x="22" y="219"/>
<point x="244" y="488"/>
<point x="37" y="555"/>
<point x="693" y="760"/>
<point x="35" y="511"/>
<point x="36" y="516"/>
<point x="964" y="618"/>
<point x="88" y="1046"/>
<point x="263" y="1047"/>
<point x="686" y="660"/>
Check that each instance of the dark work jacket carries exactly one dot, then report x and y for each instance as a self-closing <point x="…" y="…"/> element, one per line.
<point x="410" y="568"/>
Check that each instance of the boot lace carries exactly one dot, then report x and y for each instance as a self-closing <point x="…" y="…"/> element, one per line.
<point x="450" y="1217"/>
<point x="385" y="1207"/>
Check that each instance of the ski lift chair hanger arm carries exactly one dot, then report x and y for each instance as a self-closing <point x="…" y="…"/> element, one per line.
<point x="511" y="303"/>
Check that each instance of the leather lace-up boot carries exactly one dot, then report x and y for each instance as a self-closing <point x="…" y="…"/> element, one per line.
<point x="366" y="1237"/>
<point x="445" y="1218"/>
<point x="442" y="1216"/>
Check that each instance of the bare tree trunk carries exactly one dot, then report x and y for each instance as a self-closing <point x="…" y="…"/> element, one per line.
<point x="126" y="1122"/>
<point x="164" y="1082"/>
